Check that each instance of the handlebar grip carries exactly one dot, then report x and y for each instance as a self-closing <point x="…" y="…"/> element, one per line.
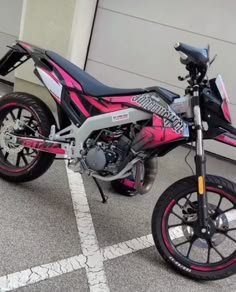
<point x="196" y="55"/>
<point x="178" y="46"/>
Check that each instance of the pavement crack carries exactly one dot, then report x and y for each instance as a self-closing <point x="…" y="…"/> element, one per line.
<point x="29" y="277"/>
<point x="60" y="266"/>
<point x="129" y="246"/>
<point x="72" y="265"/>
<point x="43" y="267"/>
<point x="36" y="273"/>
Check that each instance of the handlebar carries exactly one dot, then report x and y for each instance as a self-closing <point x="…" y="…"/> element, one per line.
<point x="197" y="56"/>
<point x="196" y="61"/>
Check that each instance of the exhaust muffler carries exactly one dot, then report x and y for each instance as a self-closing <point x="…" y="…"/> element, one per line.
<point x="144" y="185"/>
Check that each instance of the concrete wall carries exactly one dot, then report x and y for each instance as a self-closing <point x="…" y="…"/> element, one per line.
<point x="10" y="16"/>
<point x="63" y="26"/>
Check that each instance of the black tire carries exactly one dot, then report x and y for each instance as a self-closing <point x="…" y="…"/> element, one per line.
<point x="168" y="204"/>
<point x="44" y="117"/>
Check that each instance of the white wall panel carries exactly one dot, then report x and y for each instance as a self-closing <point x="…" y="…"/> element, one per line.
<point x="10" y="15"/>
<point x="213" y="18"/>
<point x="5" y="40"/>
<point x="119" y="78"/>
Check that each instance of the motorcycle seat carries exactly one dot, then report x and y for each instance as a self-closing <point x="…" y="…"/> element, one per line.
<point x="89" y="84"/>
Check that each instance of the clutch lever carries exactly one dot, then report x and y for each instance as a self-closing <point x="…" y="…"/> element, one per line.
<point x="212" y="60"/>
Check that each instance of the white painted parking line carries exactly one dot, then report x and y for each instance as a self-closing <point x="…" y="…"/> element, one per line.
<point x="40" y="273"/>
<point x="127" y="247"/>
<point x="88" y="239"/>
<point x="46" y="271"/>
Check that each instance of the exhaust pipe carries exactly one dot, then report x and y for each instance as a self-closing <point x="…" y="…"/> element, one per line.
<point x="150" y="172"/>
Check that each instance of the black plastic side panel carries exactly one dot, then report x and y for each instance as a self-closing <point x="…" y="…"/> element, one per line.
<point x="63" y="119"/>
<point x="164" y="93"/>
<point x="70" y="108"/>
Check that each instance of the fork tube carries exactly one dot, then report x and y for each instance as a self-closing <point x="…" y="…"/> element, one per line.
<point x="200" y="161"/>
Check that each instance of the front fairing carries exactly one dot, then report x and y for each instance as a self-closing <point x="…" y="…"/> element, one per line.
<point x="224" y="98"/>
<point x="214" y="99"/>
<point x="216" y="112"/>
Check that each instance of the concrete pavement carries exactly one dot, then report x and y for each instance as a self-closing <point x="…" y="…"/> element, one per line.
<point x="38" y="226"/>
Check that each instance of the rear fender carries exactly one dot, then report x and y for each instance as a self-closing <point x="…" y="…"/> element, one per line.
<point x="15" y="57"/>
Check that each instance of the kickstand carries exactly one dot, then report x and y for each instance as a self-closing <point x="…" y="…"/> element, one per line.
<point x="104" y="198"/>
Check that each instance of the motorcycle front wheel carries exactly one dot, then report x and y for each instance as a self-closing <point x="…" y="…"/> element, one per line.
<point x="177" y="236"/>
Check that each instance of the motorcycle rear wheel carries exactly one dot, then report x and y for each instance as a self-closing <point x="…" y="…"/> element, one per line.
<point x="19" y="164"/>
<point x="175" y="230"/>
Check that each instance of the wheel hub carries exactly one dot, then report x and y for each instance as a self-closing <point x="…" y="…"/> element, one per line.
<point x="205" y="233"/>
<point x="220" y="223"/>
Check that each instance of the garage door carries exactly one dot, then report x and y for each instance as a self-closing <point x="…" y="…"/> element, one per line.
<point x="132" y="44"/>
<point x="10" y="16"/>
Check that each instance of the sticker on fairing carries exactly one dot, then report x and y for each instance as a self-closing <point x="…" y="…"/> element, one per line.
<point x="154" y="104"/>
<point x="120" y="117"/>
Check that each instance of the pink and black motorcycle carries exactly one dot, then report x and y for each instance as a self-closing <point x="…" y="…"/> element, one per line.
<point x="116" y="135"/>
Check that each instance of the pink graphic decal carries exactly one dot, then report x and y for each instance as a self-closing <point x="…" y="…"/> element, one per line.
<point x="79" y="104"/>
<point x="26" y="45"/>
<point x="129" y="183"/>
<point x="227" y="139"/>
<point x="54" y="150"/>
<point x="68" y="79"/>
<point x="104" y="106"/>
<point x="218" y="267"/>
<point x="157" y="121"/>
<point x="226" y="111"/>
<point x="41" y="145"/>
<point x="8" y="104"/>
<point x="70" y="82"/>
<point x="150" y="103"/>
<point x="158" y="134"/>
<point x="16" y="170"/>
<point x="121" y="99"/>
<point x="220" y="191"/>
<point x="225" y="105"/>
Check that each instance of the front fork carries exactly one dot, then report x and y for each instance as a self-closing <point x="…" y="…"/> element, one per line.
<point x="200" y="161"/>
